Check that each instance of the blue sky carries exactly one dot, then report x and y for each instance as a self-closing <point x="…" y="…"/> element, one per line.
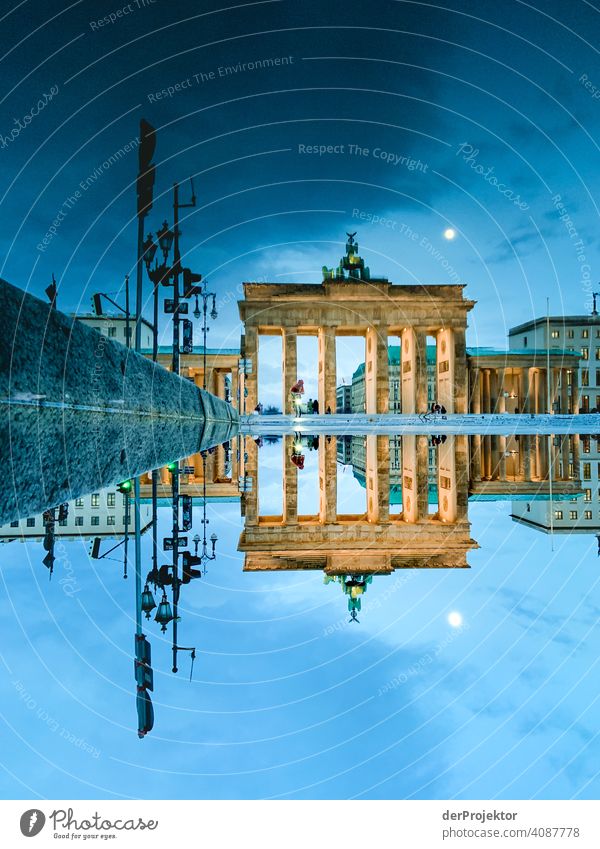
<point x="517" y="84"/>
<point x="288" y="699"/>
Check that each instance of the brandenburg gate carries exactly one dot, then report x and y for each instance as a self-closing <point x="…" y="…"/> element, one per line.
<point x="349" y="302"/>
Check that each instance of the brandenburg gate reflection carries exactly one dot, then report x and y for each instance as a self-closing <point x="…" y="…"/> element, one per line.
<point x="435" y="479"/>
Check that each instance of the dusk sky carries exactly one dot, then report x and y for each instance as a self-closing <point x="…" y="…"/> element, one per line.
<point x="300" y="120"/>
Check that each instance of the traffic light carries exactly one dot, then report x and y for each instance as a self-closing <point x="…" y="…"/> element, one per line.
<point x="188" y="572"/>
<point x="52" y="292"/>
<point x="147" y="172"/>
<point x="186" y="510"/>
<point x="63" y="512"/>
<point x="97" y="304"/>
<point x="95" y="548"/>
<point x="189" y="278"/>
<point x="48" y="561"/>
<point x="188" y="337"/>
<point x="125" y="487"/>
<point x="144" y="678"/>
<point x="173" y="467"/>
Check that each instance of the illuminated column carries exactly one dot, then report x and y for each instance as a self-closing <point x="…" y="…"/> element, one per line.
<point x="476" y="457"/>
<point x="476" y="390"/>
<point x="564" y="391"/>
<point x="576" y="393"/>
<point x="576" y="448"/>
<point x="554" y="374"/>
<point x="235" y="388"/>
<point x="410" y="511"/>
<point x="250" y="499"/>
<point x="408" y="367"/>
<point x="493" y="390"/>
<point x="565" y="451"/>
<point x="251" y="379"/>
<point x="502" y="380"/>
<point x="423" y="476"/>
<point x="327" y="368"/>
<point x="533" y="465"/>
<point x="460" y="380"/>
<point x="290" y="483"/>
<point x="327" y="479"/>
<point x="525" y="394"/>
<point x="502" y="459"/>
<point x="461" y="447"/>
<point x="377" y="387"/>
<point x="525" y="451"/>
<point x="445" y="371"/>
<point x="447" y="506"/>
<point x="289" y="352"/>
<point x="378" y="478"/>
<point x="486" y="393"/>
<point x="198" y="465"/>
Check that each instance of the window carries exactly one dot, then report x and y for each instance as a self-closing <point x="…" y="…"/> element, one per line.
<point x="96" y="499"/>
<point x="585" y="377"/>
<point x="110" y="499"/>
<point x="570" y="334"/>
<point x="569" y="378"/>
<point x="79" y="502"/>
<point x="597" y="333"/>
<point x="585" y="333"/>
<point x="587" y="514"/>
<point x="558" y="514"/>
<point x="95" y="520"/>
<point x="79" y="520"/>
<point x="587" y="471"/>
<point x="524" y="341"/>
<point x="585" y="353"/>
<point x="31" y="523"/>
<point x="572" y="514"/>
<point x="15" y="524"/>
<point x="125" y="498"/>
<point x="587" y="495"/>
<point x="62" y="522"/>
<point x="555" y="334"/>
<point x="585" y="443"/>
<point x="110" y="520"/>
<point x="597" y="353"/>
<point x="112" y="332"/>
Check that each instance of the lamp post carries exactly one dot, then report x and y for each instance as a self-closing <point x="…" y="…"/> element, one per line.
<point x="206" y="296"/>
<point x="204" y="556"/>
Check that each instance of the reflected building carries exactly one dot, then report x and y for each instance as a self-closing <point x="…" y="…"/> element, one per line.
<point x="219" y="468"/>
<point x="376" y="541"/>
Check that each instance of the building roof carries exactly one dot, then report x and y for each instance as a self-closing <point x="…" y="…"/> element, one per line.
<point x="565" y="320"/>
<point x="525" y="352"/>
<point x="109" y="318"/>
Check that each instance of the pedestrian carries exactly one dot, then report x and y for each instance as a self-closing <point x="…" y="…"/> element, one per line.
<point x="328" y="411"/>
<point x="309" y="405"/>
<point x="315" y="407"/>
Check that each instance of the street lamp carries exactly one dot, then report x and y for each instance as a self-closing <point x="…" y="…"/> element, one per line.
<point x="206" y="296"/>
<point x="148" y="603"/>
<point x="164" y="614"/>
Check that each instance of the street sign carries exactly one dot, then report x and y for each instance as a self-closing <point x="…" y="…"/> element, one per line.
<point x="188" y="470"/>
<point x="168" y="543"/>
<point x="170" y="306"/>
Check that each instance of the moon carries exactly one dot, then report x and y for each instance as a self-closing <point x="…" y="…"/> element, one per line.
<point x="455" y="619"/>
<point x="449" y="233"/>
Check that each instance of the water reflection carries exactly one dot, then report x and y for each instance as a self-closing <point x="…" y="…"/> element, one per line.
<point x="376" y="504"/>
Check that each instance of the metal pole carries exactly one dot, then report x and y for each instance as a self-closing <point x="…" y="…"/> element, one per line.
<point x="128" y="337"/>
<point x="126" y="543"/>
<point x="154" y="521"/>
<point x="176" y="264"/>
<point x="549" y="401"/>
<point x="155" y="335"/>
<point x="139" y="284"/>
<point x="138" y="559"/>
<point x="175" y="493"/>
<point x="205" y="382"/>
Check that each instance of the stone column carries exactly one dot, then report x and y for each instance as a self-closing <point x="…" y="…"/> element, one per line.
<point x="251" y="379"/>
<point x="289" y="351"/>
<point x="327" y="479"/>
<point x="486" y="399"/>
<point x="493" y="390"/>
<point x="576" y="450"/>
<point x="251" y="470"/>
<point x="575" y="393"/>
<point x="564" y="391"/>
<point x="235" y="387"/>
<point x="446" y="481"/>
<point x="565" y="454"/>
<point x="327" y="369"/>
<point x="445" y="371"/>
<point x="377" y="387"/>
<point x="290" y="483"/>
<point x="408" y="387"/>
<point x="421" y="372"/>
<point x="378" y="478"/>
<point x="423" y="476"/>
<point x="461" y="476"/>
<point x="409" y="479"/>
<point x="476" y="390"/>
<point x="502" y="460"/>
<point x="502" y="374"/>
<point x="554" y="373"/>
<point x="461" y="389"/>
<point x="525" y="449"/>
<point x="525" y="394"/>
<point x="475" y="457"/>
